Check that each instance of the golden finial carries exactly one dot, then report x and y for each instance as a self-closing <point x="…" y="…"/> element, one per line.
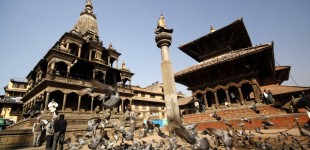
<point x="212" y="29"/>
<point x="162" y="22"/>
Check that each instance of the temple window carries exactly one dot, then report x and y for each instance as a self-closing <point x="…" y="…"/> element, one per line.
<point x="74" y="49"/>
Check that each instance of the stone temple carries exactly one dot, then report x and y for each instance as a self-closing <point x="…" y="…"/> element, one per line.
<point x="230" y="74"/>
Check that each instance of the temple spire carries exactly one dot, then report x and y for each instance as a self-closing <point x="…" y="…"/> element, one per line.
<point x="212" y="29"/>
<point x="86" y="25"/>
<point x="88" y="7"/>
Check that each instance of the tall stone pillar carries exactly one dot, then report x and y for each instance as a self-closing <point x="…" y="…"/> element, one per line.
<point x="163" y="39"/>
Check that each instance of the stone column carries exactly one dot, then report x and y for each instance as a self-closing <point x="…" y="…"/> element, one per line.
<point x="90" y="54"/>
<point x="122" y="106"/>
<point x="255" y="92"/>
<point x="109" y="61"/>
<point x="92" y="104"/>
<point x="163" y="39"/>
<point x="241" y="96"/>
<point x="79" y="103"/>
<point x="79" y="52"/>
<point x="94" y="73"/>
<point x="216" y="100"/>
<point x="46" y="100"/>
<point x="130" y="102"/>
<point x="64" y="102"/>
<point x="227" y="96"/>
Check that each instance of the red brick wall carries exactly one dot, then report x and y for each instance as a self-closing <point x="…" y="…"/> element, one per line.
<point x="280" y="118"/>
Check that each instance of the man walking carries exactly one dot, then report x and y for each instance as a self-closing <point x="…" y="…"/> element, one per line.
<point x="49" y="134"/>
<point x="60" y="127"/>
<point x="37" y="130"/>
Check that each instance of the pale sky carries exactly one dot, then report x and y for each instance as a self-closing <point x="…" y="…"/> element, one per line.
<point x="29" y="28"/>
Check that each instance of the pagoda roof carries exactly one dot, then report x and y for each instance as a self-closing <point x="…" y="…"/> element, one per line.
<point x="277" y="89"/>
<point x="226" y="57"/>
<point x="185" y="100"/>
<point x="231" y="37"/>
<point x="282" y="67"/>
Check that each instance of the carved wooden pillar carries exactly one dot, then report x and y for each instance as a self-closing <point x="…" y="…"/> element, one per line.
<point x="64" y="102"/>
<point x="46" y="100"/>
<point x="79" y="103"/>
<point x="241" y="95"/>
<point x="205" y="100"/>
<point x="227" y="96"/>
<point x="216" y="99"/>
<point x="92" y="104"/>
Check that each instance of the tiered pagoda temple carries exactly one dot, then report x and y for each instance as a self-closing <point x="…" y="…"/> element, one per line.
<point x="231" y="70"/>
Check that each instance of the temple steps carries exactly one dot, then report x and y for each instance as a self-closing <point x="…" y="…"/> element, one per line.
<point x="280" y="117"/>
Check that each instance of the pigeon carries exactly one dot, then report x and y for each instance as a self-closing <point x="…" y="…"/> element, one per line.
<point x="134" y="115"/>
<point x="72" y="146"/>
<point x="94" y="143"/>
<point x="108" y="96"/>
<point x="106" y="116"/>
<point x="214" y="115"/>
<point x="246" y="120"/>
<point x="202" y="143"/>
<point x="227" y="140"/>
<point x="227" y="123"/>
<point x="254" y="108"/>
<point x="257" y="130"/>
<point x="185" y="134"/>
<point x="215" y="132"/>
<point x="267" y="123"/>
<point x="79" y="139"/>
<point x="205" y="132"/>
<point x="264" y="117"/>
<point x="191" y="128"/>
<point x="305" y="132"/>
<point x="97" y="110"/>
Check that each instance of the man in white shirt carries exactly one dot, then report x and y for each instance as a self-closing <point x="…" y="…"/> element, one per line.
<point x="52" y="106"/>
<point x="266" y="98"/>
<point x="196" y="106"/>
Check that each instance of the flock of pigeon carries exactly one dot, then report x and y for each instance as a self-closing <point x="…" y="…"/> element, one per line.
<point x="104" y="133"/>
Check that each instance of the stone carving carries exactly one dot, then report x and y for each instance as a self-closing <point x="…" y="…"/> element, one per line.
<point x="63" y="46"/>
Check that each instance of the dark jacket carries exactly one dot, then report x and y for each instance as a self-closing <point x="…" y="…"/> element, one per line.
<point x="60" y="125"/>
